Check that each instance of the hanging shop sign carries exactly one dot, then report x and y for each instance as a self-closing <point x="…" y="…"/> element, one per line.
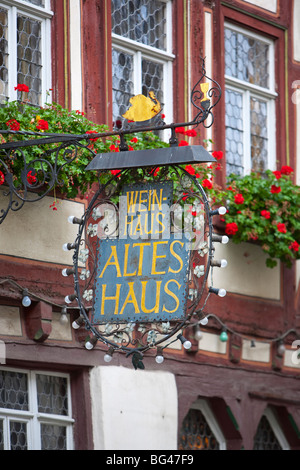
<point x="142" y="274"/>
<point x="145" y="244"/>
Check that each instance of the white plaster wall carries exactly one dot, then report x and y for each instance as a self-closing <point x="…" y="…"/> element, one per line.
<point x="291" y="358"/>
<point x="296" y="30"/>
<point x="211" y="342"/>
<point x="75" y="55"/>
<point x="10" y="321"/>
<point x="270" y="5"/>
<point x="37" y="232"/>
<point x="260" y="352"/>
<point x="133" y="409"/>
<point x="246" y="273"/>
<point x="60" y="331"/>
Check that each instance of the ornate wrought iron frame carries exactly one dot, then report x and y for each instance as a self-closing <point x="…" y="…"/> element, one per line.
<point x="68" y="146"/>
<point x="139" y="345"/>
<point x="204" y="99"/>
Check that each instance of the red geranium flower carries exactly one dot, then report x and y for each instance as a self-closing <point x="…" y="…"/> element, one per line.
<point x="134" y="140"/>
<point x="265" y="214"/>
<point x="190" y="169"/>
<point x="217" y="154"/>
<point x="286" y="170"/>
<point x="207" y="184"/>
<point x="31" y="178"/>
<point x="13" y="125"/>
<point x="281" y="228"/>
<point x="231" y="228"/>
<point x="294" y="246"/>
<point x="277" y="174"/>
<point x="2" y="178"/>
<point x="92" y="132"/>
<point x="42" y="125"/>
<point x="22" y="87"/>
<point x="114" y="148"/>
<point x="191" y="133"/>
<point x="116" y="173"/>
<point x="182" y="143"/>
<point x="180" y="130"/>
<point x="239" y="199"/>
<point x="275" y="189"/>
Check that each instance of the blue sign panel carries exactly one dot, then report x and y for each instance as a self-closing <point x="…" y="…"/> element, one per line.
<point x="142" y="275"/>
<point x="145" y="211"/>
<point x="140" y="280"/>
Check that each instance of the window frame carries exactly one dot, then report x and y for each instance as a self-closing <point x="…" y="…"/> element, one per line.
<point x="141" y="51"/>
<point x="32" y="416"/>
<point x="248" y="91"/>
<point x="202" y="405"/>
<point x="42" y="14"/>
<point x="270" y="415"/>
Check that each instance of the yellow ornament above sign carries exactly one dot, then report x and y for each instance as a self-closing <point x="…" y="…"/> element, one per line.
<point x="142" y="108"/>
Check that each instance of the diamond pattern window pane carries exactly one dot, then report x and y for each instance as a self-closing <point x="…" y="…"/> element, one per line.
<point x="53" y="437"/>
<point x="3" y="56"/>
<point x="29" y="56"/>
<point x="18" y="435"/>
<point x="234" y="132"/>
<point x="52" y="394"/>
<point x="13" y="390"/>
<point x="246" y="58"/>
<point x="140" y="20"/>
<point x="195" y="433"/>
<point x="152" y="79"/>
<point x="122" y="66"/>
<point x="265" y="438"/>
<point x="259" y="135"/>
<point x="39" y="3"/>
<point x="1" y="435"/>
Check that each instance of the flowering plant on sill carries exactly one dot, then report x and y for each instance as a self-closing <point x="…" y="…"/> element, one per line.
<point x="261" y="208"/>
<point x="21" y="117"/>
<point x="265" y="209"/>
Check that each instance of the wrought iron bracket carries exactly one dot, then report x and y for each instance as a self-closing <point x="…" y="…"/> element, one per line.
<point x="15" y="192"/>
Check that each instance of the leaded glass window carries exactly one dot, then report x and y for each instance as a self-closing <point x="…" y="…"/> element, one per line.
<point x="234" y="131"/>
<point x="52" y="394"/>
<point x="39" y="3"/>
<point x="123" y="88"/>
<point x="265" y="438"/>
<point x="142" y="53"/>
<point x="3" y="55"/>
<point x="200" y="430"/>
<point x="29" y="68"/>
<point x="25" y="50"/>
<point x="247" y="58"/>
<point x="35" y="411"/>
<point x="249" y="102"/>
<point x="269" y="435"/>
<point x="143" y="21"/>
<point x="196" y="434"/>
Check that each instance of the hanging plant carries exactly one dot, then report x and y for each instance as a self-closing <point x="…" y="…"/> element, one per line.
<point x="19" y="121"/>
<point x="265" y="209"/>
<point x="261" y="208"/>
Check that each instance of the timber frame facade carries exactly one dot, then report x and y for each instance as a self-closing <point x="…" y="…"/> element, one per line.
<point x="237" y="386"/>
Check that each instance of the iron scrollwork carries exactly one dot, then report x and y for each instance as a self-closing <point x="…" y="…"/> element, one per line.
<point x="101" y="219"/>
<point x="44" y="171"/>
